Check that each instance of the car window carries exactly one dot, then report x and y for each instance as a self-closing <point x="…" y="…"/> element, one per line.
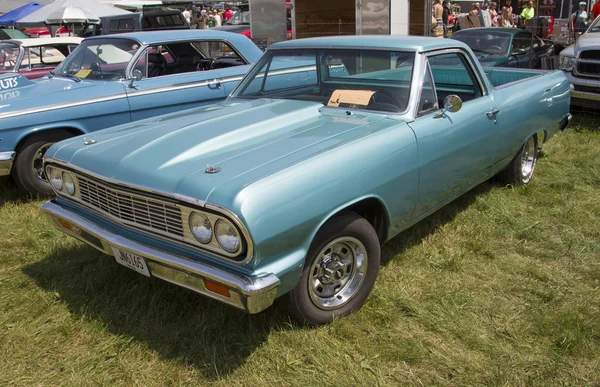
<point x="9" y="53"/>
<point x="42" y="56"/>
<point x="104" y="59"/>
<point x="217" y="50"/>
<point x="377" y="80"/>
<point x="453" y="74"/>
<point x="428" y="101"/>
<point x="522" y="40"/>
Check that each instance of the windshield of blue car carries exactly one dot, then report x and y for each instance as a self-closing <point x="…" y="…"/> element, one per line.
<point x="487" y="42"/>
<point x="104" y="59"/>
<point x="376" y="80"/>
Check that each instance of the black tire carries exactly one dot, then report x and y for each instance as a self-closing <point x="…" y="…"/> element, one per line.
<point x="519" y="171"/>
<point x="23" y="173"/>
<point x="299" y="302"/>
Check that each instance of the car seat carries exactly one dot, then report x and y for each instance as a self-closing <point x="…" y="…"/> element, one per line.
<point x="159" y="65"/>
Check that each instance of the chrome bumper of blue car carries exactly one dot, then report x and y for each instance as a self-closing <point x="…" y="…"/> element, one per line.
<point x="249" y="293"/>
<point x="6" y="162"/>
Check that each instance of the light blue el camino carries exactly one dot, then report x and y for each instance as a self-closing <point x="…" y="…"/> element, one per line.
<point x="327" y="148"/>
<point x="111" y="80"/>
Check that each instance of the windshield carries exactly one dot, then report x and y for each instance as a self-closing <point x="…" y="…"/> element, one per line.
<point x="595" y="27"/>
<point x="9" y="53"/>
<point x="489" y="42"/>
<point x="104" y="59"/>
<point x="363" y="79"/>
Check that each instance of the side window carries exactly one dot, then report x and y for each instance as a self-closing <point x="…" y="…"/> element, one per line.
<point x="452" y="74"/>
<point x="142" y="65"/>
<point x="522" y="40"/>
<point x="219" y="51"/>
<point x="428" y="101"/>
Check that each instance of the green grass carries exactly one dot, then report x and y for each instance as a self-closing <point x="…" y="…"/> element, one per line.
<point x="501" y="287"/>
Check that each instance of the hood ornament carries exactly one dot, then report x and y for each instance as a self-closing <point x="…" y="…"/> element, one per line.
<point x="89" y="141"/>
<point x="212" y="168"/>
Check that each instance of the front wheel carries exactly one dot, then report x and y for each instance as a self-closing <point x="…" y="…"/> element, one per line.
<point x="28" y="170"/>
<point x="520" y="170"/>
<point x="339" y="272"/>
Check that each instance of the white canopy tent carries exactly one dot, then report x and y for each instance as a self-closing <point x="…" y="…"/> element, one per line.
<point x="39" y="17"/>
<point x="72" y="15"/>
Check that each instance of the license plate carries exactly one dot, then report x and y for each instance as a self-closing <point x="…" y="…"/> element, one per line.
<point x="132" y="261"/>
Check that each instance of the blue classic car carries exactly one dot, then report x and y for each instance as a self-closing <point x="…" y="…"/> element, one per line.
<point x="326" y="149"/>
<point x="112" y="80"/>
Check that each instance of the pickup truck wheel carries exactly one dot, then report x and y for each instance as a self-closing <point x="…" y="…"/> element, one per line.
<point x="28" y="170"/>
<point x="339" y="272"/>
<point x="520" y="170"/>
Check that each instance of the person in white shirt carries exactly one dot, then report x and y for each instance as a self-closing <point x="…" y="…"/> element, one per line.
<point x="579" y="18"/>
<point x="217" y="18"/>
<point x="187" y="15"/>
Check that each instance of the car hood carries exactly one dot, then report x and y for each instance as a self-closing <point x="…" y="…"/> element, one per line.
<point x="587" y="41"/>
<point x="245" y="139"/>
<point x="20" y="93"/>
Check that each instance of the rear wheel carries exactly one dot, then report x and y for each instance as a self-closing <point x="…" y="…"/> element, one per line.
<point x="28" y="170"/>
<point x="520" y="170"/>
<point x="339" y="272"/>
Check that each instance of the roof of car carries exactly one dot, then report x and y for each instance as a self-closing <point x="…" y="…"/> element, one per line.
<point x="155" y="37"/>
<point x="36" y="42"/>
<point x="402" y="43"/>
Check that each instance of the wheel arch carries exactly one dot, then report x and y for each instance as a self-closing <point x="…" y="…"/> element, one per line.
<point x="371" y="208"/>
<point x="73" y="130"/>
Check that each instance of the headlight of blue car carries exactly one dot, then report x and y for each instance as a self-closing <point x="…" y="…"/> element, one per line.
<point x="566" y="63"/>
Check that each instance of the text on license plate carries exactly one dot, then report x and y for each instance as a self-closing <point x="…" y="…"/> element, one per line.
<point x="132" y="261"/>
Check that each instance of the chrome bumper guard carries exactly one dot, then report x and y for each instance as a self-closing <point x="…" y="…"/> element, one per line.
<point x="6" y="162"/>
<point x="248" y="293"/>
<point x="565" y="121"/>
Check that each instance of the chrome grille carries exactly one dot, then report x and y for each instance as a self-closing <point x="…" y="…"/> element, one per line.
<point x="588" y="64"/>
<point x="135" y="209"/>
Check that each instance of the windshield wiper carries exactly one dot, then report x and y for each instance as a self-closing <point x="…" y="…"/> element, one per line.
<point x="70" y="76"/>
<point x="485" y="52"/>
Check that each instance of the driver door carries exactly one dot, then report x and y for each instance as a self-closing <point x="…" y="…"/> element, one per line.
<point x="160" y="92"/>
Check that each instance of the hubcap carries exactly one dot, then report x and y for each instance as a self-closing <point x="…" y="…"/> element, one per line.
<point x="528" y="159"/>
<point x="338" y="273"/>
<point x="37" y="164"/>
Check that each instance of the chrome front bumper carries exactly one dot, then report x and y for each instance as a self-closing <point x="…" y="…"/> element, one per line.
<point x="6" y="162"/>
<point x="248" y="293"/>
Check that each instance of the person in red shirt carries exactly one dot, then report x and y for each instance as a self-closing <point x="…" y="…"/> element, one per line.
<point x="227" y="15"/>
<point x="596" y="10"/>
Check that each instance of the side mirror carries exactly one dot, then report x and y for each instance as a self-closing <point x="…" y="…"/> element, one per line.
<point x="452" y="104"/>
<point x="518" y="51"/>
<point x="136" y="76"/>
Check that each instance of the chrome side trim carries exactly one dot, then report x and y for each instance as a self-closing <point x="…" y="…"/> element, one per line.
<point x="249" y="293"/>
<point x="585" y="95"/>
<point x="232" y="79"/>
<point x="6" y="161"/>
<point x="247" y="242"/>
<point x="62" y="106"/>
<point x="164" y="89"/>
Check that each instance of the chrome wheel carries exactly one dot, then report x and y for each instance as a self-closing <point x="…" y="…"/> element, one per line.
<point x="528" y="159"/>
<point x="337" y="273"/>
<point x="37" y="164"/>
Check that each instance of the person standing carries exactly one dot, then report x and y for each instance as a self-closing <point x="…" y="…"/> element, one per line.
<point x="227" y="15"/>
<point x="579" y="18"/>
<point x="506" y="14"/>
<point x="446" y="16"/>
<point x="474" y="9"/>
<point x="187" y="16"/>
<point x="494" y="14"/>
<point x="528" y="11"/>
<point x="217" y="17"/>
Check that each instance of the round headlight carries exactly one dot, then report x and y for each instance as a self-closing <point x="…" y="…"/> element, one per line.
<point x="55" y="178"/>
<point x="200" y="227"/>
<point x="227" y="236"/>
<point x="68" y="183"/>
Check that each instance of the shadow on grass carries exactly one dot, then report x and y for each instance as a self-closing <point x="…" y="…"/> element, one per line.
<point x="10" y="193"/>
<point x="176" y="323"/>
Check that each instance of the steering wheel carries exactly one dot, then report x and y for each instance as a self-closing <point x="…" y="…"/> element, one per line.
<point x="384" y="96"/>
<point x="495" y="48"/>
<point x="208" y="64"/>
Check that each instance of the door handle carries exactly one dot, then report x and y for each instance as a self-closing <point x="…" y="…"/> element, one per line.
<point x="493" y="112"/>
<point x="214" y="84"/>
